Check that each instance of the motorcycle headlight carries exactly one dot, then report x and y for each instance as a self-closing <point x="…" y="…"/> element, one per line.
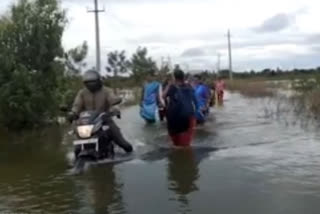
<point x="85" y="131"/>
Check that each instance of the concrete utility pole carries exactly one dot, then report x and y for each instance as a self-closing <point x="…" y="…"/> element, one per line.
<point x="96" y="12"/>
<point x="230" y="55"/>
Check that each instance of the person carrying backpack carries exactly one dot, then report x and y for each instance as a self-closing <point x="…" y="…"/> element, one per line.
<point x="182" y="105"/>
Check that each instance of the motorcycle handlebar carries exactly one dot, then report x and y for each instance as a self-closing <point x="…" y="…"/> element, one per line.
<point x="111" y="114"/>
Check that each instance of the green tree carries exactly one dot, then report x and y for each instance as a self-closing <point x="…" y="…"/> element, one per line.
<point x="164" y="71"/>
<point x="117" y="63"/>
<point x="141" y="65"/>
<point x="74" y="59"/>
<point x="30" y="44"/>
<point x="71" y="81"/>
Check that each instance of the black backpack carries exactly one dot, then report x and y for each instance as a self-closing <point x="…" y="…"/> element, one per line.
<point x="181" y="104"/>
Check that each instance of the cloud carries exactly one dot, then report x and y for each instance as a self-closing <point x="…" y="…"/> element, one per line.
<point x="313" y="39"/>
<point x="276" y="23"/>
<point x="316" y="49"/>
<point x="193" y="52"/>
<point x="101" y="2"/>
<point x="285" y="51"/>
<point x="192" y="32"/>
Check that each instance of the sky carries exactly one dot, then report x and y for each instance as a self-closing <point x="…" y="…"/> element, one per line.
<point x="264" y="34"/>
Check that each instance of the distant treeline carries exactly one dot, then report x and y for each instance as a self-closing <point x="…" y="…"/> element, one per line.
<point x="37" y="74"/>
<point x="270" y="73"/>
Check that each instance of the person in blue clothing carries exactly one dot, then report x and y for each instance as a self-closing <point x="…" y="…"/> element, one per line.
<point x="151" y="99"/>
<point x="202" y="94"/>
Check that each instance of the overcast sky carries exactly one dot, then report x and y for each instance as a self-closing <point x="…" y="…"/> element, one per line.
<point x="265" y="33"/>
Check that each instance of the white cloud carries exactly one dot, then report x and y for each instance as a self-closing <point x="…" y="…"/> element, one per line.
<point x="174" y="27"/>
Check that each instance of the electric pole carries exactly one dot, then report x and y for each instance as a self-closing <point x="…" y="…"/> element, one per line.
<point x="230" y="55"/>
<point x="96" y="12"/>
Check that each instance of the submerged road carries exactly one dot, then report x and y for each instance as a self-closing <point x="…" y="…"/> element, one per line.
<point x="241" y="162"/>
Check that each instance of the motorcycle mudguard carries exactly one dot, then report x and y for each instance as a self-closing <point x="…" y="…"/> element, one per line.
<point x="88" y="154"/>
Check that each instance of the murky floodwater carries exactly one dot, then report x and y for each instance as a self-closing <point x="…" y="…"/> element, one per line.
<point x="241" y="162"/>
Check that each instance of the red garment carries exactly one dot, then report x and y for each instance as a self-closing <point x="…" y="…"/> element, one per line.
<point x="184" y="138"/>
<point x="220" y="96"/>
<point x="220" y="85"/>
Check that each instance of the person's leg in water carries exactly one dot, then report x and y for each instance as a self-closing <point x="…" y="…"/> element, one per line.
<point x="184" y="139"/>
<point x="162" y="113"/>
<point x="106" y="147"/>
<point x="220" y="96"/>
<point x="117" y="137"/>
<point x="148" y="113"/>
<point x="212" y="98"/>
<point x="150" y="121"/>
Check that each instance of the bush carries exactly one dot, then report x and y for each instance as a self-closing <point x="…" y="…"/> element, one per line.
<point x="250" y="89"/>
<point x="30" y="43"/>
<point x="308" y="90"/>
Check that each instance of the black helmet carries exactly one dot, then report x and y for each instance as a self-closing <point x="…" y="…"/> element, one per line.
<point x="92" y="80"/>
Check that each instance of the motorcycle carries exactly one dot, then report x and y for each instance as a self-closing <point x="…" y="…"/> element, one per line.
<point x="92" y="142"/>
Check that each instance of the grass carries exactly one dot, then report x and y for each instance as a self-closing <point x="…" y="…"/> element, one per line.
<point x="311" y="102"/>
<point x="251" y="89"/>
<point x="303" y="100"/>
<point x="308" y="92"/>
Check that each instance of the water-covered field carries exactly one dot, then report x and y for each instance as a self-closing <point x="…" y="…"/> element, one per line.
<point x="241" y="162"/>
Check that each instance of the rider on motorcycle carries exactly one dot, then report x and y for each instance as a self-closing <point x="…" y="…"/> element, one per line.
<point x="95" y="97"/>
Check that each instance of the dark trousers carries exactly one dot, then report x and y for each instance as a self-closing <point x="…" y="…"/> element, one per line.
<point x="117" y="137"/>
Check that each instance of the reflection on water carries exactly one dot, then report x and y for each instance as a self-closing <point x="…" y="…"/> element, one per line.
<point x="183" y="172"/>
<point x="104" y="190"/>
<point x="241" y="162"/>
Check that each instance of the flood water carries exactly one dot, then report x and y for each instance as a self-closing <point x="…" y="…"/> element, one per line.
<point x="241" y="162"/>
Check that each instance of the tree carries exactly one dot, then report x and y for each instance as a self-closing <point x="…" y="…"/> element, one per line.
<point x="252" y="73"/>
<point x="74" y="59"/>
<point x="30" y="43"/>
<point x="117" y="63"/>
<point x="224" y="73"/>
<point x="71" y="81"/>
<point x="142" y="65"/>
<point x="164" y="71"/>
